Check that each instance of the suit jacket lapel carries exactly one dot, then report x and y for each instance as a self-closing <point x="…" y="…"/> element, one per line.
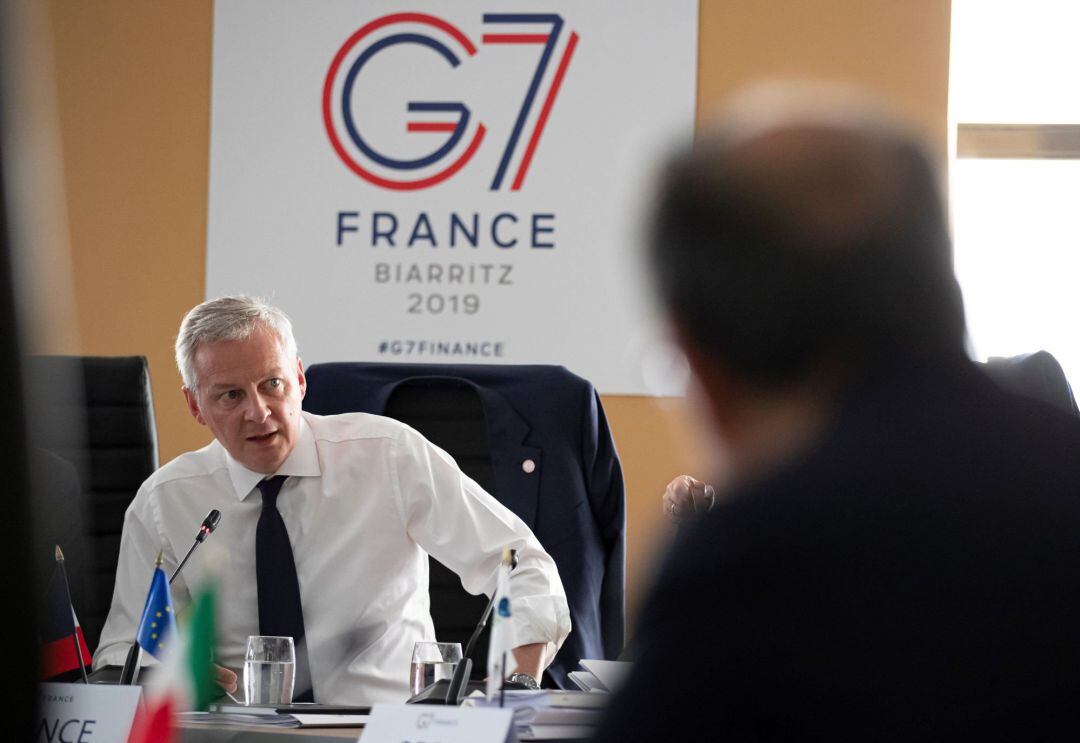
<point x="517" y="466"/>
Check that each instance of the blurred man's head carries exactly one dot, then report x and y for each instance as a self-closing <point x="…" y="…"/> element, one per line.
<point x="804" y="232"/>
<point x="243" y="378"/>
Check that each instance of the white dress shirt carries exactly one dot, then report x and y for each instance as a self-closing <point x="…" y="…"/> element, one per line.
<point x="366" y="500"/>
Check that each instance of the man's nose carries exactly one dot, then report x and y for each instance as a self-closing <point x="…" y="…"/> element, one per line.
<point x="257" y="410"/>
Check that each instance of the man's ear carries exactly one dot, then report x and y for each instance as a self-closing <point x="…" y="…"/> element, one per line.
<point x="300" y="378"/>
<point x="193" y="406"/>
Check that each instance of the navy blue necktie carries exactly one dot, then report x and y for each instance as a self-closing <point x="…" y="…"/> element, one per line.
<point x="280" y="610"/>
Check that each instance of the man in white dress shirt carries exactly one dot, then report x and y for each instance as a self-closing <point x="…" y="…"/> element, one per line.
<point x="365" y="501"/>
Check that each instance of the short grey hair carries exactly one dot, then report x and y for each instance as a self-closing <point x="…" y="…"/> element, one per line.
<point x="232" y="318"/>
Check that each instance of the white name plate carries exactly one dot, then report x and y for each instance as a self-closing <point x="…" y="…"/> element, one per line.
<point x="428" y="723"/>
<point x="81" y="713"/>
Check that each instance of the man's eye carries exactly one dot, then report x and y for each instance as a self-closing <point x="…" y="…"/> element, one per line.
<point x="232" y="395"/>
<point x="274" y="383"/>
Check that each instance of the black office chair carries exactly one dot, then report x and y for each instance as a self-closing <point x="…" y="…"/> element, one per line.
<point x="96" y="413"/>
<point x="536" y="438"/>
<point x="451" y="416"/>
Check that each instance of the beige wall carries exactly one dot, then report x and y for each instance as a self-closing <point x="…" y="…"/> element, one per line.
<point x="134" y="101"/>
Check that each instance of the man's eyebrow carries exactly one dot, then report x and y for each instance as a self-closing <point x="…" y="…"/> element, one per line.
<point x="222" y="386"/>
<point x="276" y="373"/>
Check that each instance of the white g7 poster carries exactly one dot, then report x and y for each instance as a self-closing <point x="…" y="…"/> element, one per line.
<point x="448" y="182"/>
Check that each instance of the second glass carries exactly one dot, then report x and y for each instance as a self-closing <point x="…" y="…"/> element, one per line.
<point x="431" y="662"/>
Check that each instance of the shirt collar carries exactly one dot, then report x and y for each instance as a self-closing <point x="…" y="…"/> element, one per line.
<point x="303" y="461"/>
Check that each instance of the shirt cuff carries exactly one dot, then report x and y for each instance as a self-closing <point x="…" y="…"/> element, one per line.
<point x="542" y="619"/>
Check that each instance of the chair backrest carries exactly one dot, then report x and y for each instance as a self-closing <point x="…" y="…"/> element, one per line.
<point x="1037" y="376"/>
<point x="97" y="413"/>
<point x="536" y="438"/>
<point x="451" y="416"/>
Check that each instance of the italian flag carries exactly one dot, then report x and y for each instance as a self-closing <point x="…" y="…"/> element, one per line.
<point x="185" y="679"/>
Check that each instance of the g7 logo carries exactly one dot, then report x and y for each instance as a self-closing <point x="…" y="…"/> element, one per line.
<point x="443" y="39"/>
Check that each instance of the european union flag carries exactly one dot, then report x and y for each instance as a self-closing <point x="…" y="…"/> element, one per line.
<point x="158" y="619"/>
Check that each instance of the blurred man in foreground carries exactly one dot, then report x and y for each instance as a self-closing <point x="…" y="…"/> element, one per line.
<point x="896" y="552"/>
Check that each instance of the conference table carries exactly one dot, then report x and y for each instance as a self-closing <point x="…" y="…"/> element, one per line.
<point x="263" y="734"/>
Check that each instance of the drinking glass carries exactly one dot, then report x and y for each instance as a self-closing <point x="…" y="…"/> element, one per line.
<point x="269" y="670"/>
<point x="431" y="662"/>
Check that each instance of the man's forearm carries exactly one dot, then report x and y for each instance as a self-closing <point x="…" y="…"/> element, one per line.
<point x="530" y="659"/>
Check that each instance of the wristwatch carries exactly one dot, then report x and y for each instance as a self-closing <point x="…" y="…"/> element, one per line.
<point x="525" y="680"/>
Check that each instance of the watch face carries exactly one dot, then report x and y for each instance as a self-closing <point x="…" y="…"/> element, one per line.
<point x="525" y="680"/>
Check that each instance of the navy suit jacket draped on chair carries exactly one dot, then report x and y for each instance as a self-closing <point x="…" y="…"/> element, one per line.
<point x="573" y="499"/>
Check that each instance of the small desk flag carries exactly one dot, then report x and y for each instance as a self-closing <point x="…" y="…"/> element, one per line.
<point x="158" y="620"/>
<point x="503" y="637"/>
<point x="63" y="646"/>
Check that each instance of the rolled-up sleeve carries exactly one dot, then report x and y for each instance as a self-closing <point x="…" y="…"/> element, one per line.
<point x="462" y="526"/>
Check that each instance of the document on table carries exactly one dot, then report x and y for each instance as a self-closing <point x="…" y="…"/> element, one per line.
<point x="556" y="732"/>
<point x="610" y="673"/>
<point x="549" y="714"/>
<point x="331" y="721"/>
<point x="298" y="720"/>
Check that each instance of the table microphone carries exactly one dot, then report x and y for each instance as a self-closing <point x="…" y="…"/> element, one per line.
<point x="209" y="524"/>
<point x="452" y="691"/>
<point x="206" y="529"/>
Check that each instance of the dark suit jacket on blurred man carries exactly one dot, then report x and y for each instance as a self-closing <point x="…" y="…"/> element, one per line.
<point x="896" y="555"/>
<point x="915" y="576"/>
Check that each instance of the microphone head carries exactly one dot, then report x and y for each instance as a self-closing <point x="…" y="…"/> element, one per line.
<point x="209" y="524"/>
<point x="212" y="520"/>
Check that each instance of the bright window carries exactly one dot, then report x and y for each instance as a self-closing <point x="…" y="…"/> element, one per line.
<point x="1014" y="115"/>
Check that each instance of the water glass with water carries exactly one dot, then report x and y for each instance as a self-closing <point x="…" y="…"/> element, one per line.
<point x="269" y="670"/>
<point x="431" y="662"/>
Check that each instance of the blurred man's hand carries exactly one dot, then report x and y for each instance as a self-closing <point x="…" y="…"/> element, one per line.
<point x="225" y="678"/>
<point x="686" y="498"/>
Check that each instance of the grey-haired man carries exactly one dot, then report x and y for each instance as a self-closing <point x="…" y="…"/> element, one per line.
<point x="364" y="500"/>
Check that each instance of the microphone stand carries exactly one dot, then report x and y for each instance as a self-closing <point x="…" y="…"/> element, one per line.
<point x="455" y="690"/>
<point x="463" y="672"/>
<point x="130" y="673"/>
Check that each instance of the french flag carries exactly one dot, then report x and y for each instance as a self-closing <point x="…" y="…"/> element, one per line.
<point x="59" y="628"/>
